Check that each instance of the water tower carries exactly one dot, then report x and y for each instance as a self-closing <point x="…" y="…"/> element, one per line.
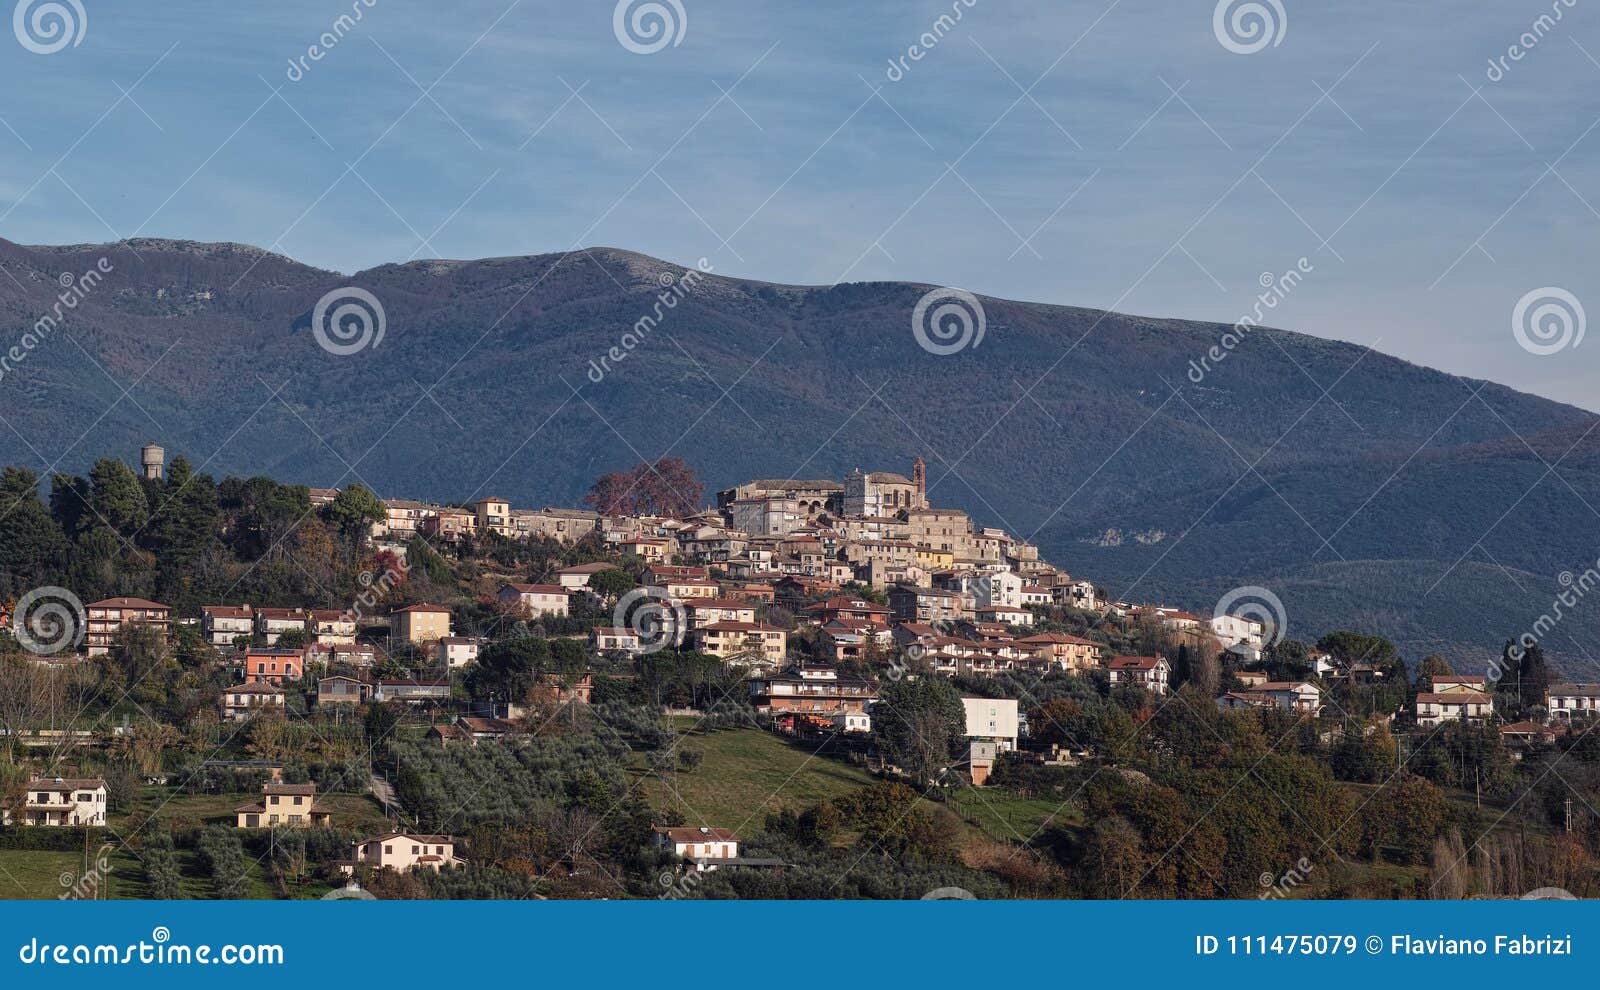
<point x="154" y="460"/>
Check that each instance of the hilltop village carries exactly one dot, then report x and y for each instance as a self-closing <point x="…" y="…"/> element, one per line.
<point x="248" y="688"/>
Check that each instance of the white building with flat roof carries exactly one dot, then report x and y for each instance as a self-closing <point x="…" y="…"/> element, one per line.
<point x="992" y="720"/>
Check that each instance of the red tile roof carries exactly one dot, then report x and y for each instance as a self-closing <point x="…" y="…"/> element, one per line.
<point x="691" y="834"/>
<point x="726" y="626"/>
<point x="1454" y="698"/>
<point x="227" y="611"/>
<point x="128" y="603"/>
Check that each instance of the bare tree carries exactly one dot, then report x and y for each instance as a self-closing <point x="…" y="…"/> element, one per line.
<point x="32" y="696"/>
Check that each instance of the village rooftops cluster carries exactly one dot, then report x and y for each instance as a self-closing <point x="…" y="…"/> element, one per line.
<point x="795" y="583"/>
<point x="960" y="596"/>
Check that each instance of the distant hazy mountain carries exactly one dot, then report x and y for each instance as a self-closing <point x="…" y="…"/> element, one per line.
<point x="1449" y="506"/>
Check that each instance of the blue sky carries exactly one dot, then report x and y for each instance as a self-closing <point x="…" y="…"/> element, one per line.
<point x="1097" y="154"/>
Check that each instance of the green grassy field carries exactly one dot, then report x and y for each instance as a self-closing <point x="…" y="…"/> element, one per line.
<point x="1008" y="818"/>
<point x="746" y="775"/>
<point x="357" y="811"/>
<point x="35" y="874"/>
<point x="185" y="811"/>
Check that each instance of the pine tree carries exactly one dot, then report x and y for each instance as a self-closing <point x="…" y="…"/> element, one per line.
<point x="31" y="544"/>
<point x="117" y="499"/>
<point x="1534" y="676"/>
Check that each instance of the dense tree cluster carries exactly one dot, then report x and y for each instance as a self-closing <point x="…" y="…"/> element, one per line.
<point x="184" y="540"/>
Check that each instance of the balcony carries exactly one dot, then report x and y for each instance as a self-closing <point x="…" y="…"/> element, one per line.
<point x="832" y="691"/>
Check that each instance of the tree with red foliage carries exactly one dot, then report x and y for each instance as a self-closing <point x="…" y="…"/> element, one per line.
<point x="666" y="488"/>
<point x="612" y="493"/>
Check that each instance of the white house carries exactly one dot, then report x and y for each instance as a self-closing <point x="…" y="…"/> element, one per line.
<point x="1000" y="588"/>
<point x="1461" y="706"/>
<point x="1077" y="594"/>
<point x="1567" y="700"/>
<point x="704" y="611"/>
<point x="1151" y="673"/>
<point x="271" y="623"/>
<point x="458" y="651"/>
<point x="536" y="599"/>
<point x="576" y="578"/>
<point x="403" y="851"/>
<point x="1291" y="696"/>
<point x="615" y="639"/>
<point x="705" y="848"/>
<point x="331" y="626"/>
<point x="848" y="721"/>
<point x="1233" y="629"/>
<point x="222" y="624"/>
<point x="992" y="720"/>
<point x="64" y="801"/>
<point x="244" y="701"/>
<point x="1005" y="615"/>
<point x="1037" y="594"/>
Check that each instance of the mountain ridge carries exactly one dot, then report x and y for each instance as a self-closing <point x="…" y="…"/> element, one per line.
<point x="1253" y="475"/>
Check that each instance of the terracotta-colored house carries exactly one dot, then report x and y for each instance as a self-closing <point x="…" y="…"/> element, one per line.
<point x="284" y="806"/>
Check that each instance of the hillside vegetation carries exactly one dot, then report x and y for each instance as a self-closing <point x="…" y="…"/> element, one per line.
<point x="1438" y="509"/>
